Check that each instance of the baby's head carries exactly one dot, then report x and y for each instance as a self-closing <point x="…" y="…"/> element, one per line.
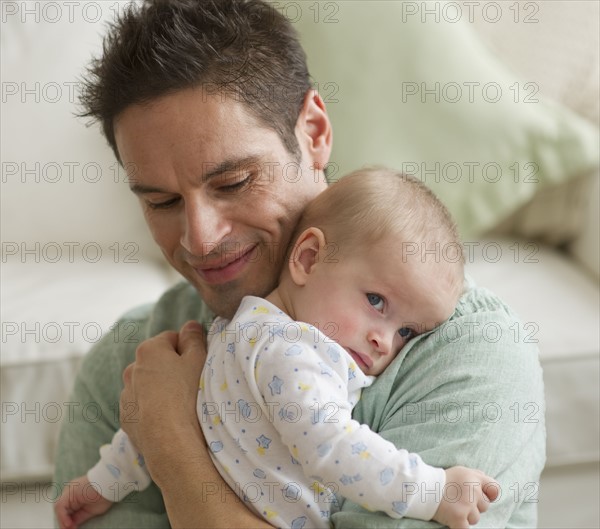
<point x="376" y="261"/>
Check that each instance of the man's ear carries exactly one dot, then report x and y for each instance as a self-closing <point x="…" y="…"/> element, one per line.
<point x="313" y="130"/>
<point x="305" y="254"/>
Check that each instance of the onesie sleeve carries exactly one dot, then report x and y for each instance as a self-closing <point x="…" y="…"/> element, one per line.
<point x="309" y="381"/>
<point x="120" y="471"/>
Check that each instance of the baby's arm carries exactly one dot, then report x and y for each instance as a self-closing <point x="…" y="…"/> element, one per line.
<point x="370" y="471"/>
<point x="360" y="465"/>
<point x="120" y="471"/>
<point x="350" y="458"/>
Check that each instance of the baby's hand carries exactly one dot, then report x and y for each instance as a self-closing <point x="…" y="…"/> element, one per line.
<point x="467" y="494"/>
<point x="78" y="503"/>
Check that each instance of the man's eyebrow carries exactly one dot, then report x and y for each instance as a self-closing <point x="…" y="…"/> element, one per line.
<point x="230" y="165"/>
<point x="141" y="189"/>
<point x="215" y="170"/>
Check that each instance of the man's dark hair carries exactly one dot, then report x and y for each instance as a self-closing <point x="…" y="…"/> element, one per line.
<point x="245" y="49"/>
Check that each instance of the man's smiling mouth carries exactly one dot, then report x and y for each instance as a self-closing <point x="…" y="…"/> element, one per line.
<point x="224" y="271"/>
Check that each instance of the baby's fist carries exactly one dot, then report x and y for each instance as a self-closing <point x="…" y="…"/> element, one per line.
<point x="78" y="503"/>
<point x="467" y="494"/>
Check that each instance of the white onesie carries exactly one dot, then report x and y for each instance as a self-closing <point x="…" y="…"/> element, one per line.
<point x="275" y="403"/>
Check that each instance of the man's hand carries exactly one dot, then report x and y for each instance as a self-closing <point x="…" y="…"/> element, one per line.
<point x="158" y="412"/>
<point x="158" y="401"/>
<point x="466" y="495"/>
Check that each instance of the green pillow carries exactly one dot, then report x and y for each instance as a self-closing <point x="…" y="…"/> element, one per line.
<point x="428" y="98"/>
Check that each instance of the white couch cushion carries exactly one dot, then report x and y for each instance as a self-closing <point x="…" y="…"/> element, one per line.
<point x="52" y="314"/>
<point x="586" y="247"/>
<point x="559" y="304"/>
<point x="60" y="180"/>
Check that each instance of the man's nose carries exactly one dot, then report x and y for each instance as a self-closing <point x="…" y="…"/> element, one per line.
<point x="205" y="226"/>
<point x="381" y="341"/>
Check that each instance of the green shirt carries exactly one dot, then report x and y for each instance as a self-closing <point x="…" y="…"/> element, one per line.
<point x="468" y="393"/>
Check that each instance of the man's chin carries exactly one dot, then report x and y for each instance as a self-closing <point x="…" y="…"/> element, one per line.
<point x="221" y="301"/>
<point x="225" y="300"/>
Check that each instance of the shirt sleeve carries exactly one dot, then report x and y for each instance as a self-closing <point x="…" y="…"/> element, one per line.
<point x="120" y="471"/>
<point x="349" y="458"/>
<point x="94" y="402"/>
<point x="470" y="393"/>
<point x="95" y="420"/>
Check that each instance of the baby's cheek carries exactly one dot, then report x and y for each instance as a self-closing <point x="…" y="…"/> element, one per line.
<point x="346" y="328"/>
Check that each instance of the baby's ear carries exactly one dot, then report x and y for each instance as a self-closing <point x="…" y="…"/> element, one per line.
<point x="305" y="254"/>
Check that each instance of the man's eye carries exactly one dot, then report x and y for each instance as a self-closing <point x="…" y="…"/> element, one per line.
<point x="236" y="186"/>
<point x="163" y="205"/>
<point x="375" y="300"/>
<point x="406" y="332"/>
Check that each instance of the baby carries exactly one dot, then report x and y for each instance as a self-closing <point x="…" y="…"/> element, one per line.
<point x="281" y="378"/>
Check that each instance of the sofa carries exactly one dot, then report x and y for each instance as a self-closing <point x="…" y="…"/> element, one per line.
<point x="493" y="105"/>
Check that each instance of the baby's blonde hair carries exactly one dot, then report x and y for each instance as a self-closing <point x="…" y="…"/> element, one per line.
<point x="370" y="204"/>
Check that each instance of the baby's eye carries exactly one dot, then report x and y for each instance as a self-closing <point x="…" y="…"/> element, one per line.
<point x="406" y="332"/>
<point x="375" y="300"/>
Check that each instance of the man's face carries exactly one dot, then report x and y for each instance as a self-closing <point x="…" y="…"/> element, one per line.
<point x="219" y="191"/>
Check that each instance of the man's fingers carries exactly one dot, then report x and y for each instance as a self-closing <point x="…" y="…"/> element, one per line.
<point x="192" y="341"/>
<point x="127" y="374"/>
<point x="165" y="341"/>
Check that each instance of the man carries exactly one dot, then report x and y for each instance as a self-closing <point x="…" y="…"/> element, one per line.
<point x="210" y="103"/>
